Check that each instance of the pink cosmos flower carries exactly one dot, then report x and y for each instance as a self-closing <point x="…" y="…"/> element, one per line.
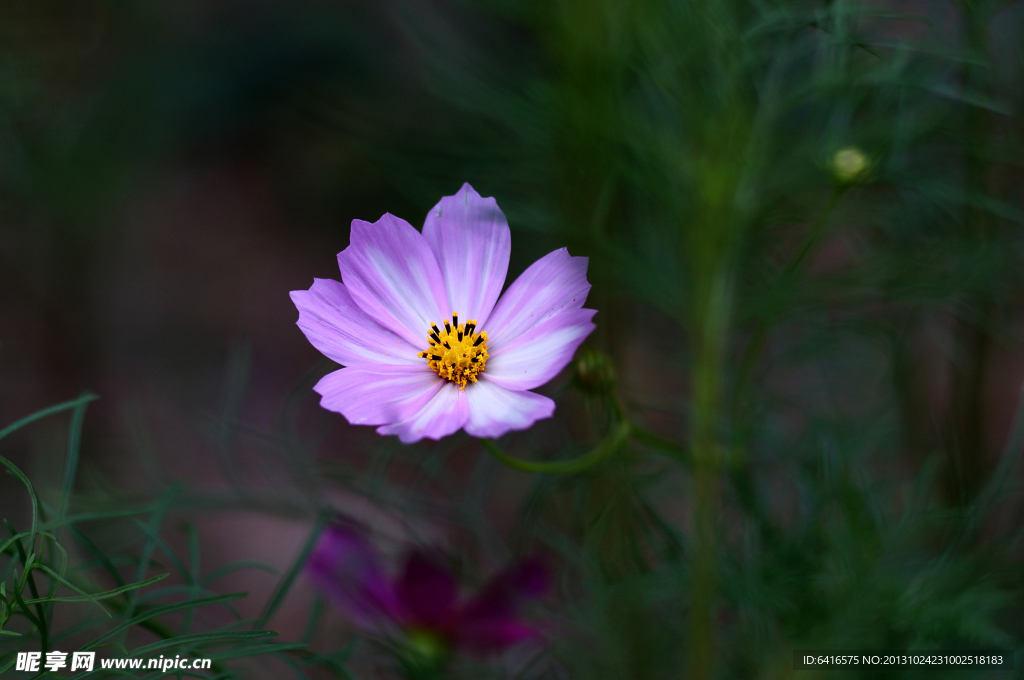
<point x="420" y="610"/>
<point x="428" y="347"/>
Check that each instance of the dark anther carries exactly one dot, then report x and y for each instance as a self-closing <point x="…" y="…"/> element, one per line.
<point x="447" y="327"/>
<point x="460" y="336"/>
<point x="447" y="346"/>
<point x="479" y="339"/>
<point x="435" y="337"/>
<point x="455" y="319"/>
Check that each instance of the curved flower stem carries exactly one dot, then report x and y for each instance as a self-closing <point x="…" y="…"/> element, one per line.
<point x="648" y="438"/>
<point x="608" y="446"/>
<point x="659" y="443"/>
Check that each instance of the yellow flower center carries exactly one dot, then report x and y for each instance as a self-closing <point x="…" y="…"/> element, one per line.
<point x="457" y="352"/>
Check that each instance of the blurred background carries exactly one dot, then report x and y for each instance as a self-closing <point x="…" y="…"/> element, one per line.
<point x="804" y="224"/>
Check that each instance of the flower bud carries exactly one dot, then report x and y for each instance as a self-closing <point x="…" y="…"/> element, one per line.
<point x="850" y="165"/>
<point x="423" y="655"/>
<point x="595" y="372"/>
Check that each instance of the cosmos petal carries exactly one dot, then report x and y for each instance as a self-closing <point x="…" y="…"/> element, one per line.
<point x="493" y="636"/>
<point x="494" y="410"/>
<point x="444" y="414"/>
<point x="335" y="325"/>
<point x="378" y="395"/>
<point x="490" y="621"/>
<point x="470" y="238"/>
<point x="346" y="568"/>
<point x="554" y="283"/>
<point x="392" y="275"/>
<point x="537" y="356"/>
<point x="427" y="591"/>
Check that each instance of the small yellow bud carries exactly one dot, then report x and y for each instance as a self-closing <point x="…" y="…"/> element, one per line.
<point x="850" y="165"/>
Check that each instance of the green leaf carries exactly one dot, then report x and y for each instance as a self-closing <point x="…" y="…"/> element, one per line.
<point x="71" y="460"/>
<point x="160" y="611"/>
<point x="215" y="636"/>
<point x="86" y="597"/>
<point x="253" y="650"/>
<point x="95" y="516"/>
<point x="74" y="403"/>
<point x="13" y="469"/>
<point x="293" y="572"/>
<point x="223" y="571"/>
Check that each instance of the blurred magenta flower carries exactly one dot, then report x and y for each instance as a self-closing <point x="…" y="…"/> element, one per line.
<point x="428" y="347"/>
<point x="421" y="609"/>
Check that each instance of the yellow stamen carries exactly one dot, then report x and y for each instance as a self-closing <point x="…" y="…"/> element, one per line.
<point x="457" y="352"/>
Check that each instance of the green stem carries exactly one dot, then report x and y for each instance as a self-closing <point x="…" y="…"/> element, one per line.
<point x="704" y="574"/>
<point x="709" y="358"/>
<point x="608" y="446"/>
